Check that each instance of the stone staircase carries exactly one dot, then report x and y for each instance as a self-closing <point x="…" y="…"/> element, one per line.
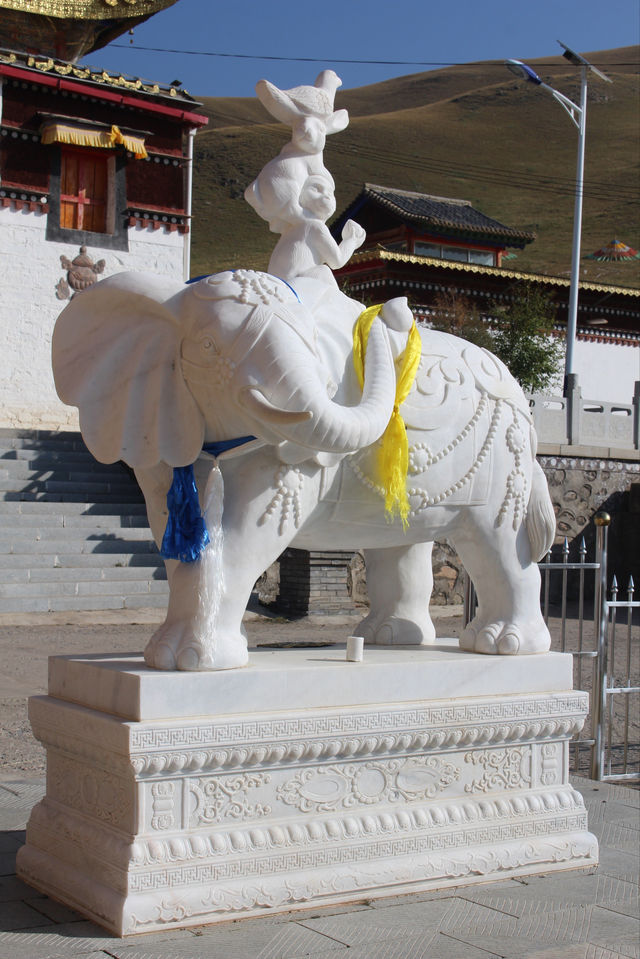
<point x="73" y="532"/>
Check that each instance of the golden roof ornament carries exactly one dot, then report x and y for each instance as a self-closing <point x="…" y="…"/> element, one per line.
<point x="69" y="29"/>
<point x="87" y="9"/>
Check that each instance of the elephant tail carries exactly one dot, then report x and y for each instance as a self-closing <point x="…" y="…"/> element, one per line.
<point x="540" y="521"/>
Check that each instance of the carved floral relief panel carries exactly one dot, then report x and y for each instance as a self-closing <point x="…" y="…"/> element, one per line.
<point x="250" y="796"/>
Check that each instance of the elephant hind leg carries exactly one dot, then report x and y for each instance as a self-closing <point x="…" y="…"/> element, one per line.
<point x="508" y="619"/>
<point x="399" y="583"/>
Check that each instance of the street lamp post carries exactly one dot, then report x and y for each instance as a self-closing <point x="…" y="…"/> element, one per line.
<point x="578" y="115"/>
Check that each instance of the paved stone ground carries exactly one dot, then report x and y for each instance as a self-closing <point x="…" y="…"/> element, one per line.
<point x="573" y="915"/>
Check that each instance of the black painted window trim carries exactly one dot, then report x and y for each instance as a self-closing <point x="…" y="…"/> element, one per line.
<point x="119" y="240"/>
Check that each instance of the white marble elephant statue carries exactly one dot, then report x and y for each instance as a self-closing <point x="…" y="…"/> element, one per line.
<point x="159" y="369"/>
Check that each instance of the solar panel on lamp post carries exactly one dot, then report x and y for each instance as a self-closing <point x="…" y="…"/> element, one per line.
<point x="578" y="115"/>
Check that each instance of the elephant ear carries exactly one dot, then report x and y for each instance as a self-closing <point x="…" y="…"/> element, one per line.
<point x="116" y="356"/>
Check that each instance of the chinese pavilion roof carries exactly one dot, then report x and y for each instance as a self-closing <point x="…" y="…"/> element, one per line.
<point x="68" y="29"/>
<point x="433" y="214"/>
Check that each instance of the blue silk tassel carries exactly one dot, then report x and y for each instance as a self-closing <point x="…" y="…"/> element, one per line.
<point x="186" y="533"/>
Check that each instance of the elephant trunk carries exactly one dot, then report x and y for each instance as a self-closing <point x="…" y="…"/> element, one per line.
<point x="329" y="426"/>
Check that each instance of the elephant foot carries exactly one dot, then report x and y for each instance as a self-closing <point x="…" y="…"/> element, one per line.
<point x="176" y="646"/>
<point x="396" y="631"/>
<point x="506" y="639"/>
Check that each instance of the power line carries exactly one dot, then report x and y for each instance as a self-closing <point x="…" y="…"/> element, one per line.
<point x="543" y="183"/>
<point x="513" y="179"/>
<point x="385" y="63"/>
<point x="559" y="186"/>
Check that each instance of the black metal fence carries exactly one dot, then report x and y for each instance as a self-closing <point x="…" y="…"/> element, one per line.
<point x="602" y="632"/>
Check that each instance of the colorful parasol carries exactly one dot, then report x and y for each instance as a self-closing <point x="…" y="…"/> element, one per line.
<point x="616" y="250"/>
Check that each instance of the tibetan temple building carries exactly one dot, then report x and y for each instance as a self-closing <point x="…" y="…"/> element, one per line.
<point x="420" y="246"/>
<point x="95" y="178"/>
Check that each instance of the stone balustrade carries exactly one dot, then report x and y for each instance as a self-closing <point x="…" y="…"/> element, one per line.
<point x="571" y="420"/>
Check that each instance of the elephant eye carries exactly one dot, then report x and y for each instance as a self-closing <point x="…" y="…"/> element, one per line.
<point x="208" y="344"/>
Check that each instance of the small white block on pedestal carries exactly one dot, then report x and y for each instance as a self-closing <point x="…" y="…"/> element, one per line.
<point x="355" y="649"/>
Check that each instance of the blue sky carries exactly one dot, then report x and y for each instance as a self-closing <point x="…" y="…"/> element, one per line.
<point x="428" y="31"/>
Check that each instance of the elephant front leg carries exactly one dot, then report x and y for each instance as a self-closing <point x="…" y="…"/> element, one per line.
<point x="195" y="636"/>
<point x="251" y="521"/>
<point x="190" y="637"/>
<point x="399" y="584"/>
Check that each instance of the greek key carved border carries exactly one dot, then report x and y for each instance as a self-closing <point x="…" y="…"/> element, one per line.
<point x="352" y="734"/>
<point x="359" y="850"/>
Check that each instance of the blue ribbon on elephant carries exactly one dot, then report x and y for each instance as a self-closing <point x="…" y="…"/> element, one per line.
<point x="186" y="533"/>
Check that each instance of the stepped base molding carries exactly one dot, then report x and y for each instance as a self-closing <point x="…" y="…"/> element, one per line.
<point x="299" y="785"/>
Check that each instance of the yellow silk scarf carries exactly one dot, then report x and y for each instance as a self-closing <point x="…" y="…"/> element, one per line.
<point x="393" y="457"/>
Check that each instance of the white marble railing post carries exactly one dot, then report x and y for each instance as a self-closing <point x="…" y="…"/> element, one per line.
<point x="574" y="408"/>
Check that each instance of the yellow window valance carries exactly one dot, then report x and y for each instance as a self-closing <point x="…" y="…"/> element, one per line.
<point x="90" y="137"/>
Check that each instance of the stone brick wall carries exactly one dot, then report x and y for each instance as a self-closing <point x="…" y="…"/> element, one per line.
<point x="580" y="487"/>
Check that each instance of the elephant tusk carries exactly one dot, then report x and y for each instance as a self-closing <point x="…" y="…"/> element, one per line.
<point x="257" y="403"/>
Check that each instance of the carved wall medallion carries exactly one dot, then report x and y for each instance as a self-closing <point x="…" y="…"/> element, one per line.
<point x="341" y="787"/>
<point x="82" y="273"/>
<point x="91" y="790"/>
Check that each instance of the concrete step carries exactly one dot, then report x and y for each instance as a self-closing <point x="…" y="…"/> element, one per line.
<point x="93" y="574"/>
<point x="74" y="560"/>
<point x="41" y="440"/>
<point x="69" y="493"/>
<point x="86" y="485"/>
<point x="86" y="574"/>
<point x="13" y="532"/>
<point x="35" y="454"/>
<point x="78" y="547"/>
<point x="83" y="524"/>
<point x="73" y="531"/>
<point x="70" y="509"/>
<point x="69" y="473"/>
<point x="49" y="604"/>
<point x="83" y="588"/>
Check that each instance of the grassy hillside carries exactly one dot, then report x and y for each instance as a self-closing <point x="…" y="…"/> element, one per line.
<point x="473" y="132"/>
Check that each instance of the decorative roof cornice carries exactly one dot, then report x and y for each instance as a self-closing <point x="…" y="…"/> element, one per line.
<point x="50" y="68"/>
<point x="88" y="9"/>
<point x="390" y="256"/>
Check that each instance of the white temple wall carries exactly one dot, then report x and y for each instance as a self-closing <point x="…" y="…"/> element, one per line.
<point x="607" y="371"/>
<point x="29" y="308"/>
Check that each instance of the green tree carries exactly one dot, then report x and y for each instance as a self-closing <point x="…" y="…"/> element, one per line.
<point x="524" y="339"/>
<point x="520" y="332"/>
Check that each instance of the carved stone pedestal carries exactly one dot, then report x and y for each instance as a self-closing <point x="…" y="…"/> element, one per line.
<point x="176" y="799"/>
